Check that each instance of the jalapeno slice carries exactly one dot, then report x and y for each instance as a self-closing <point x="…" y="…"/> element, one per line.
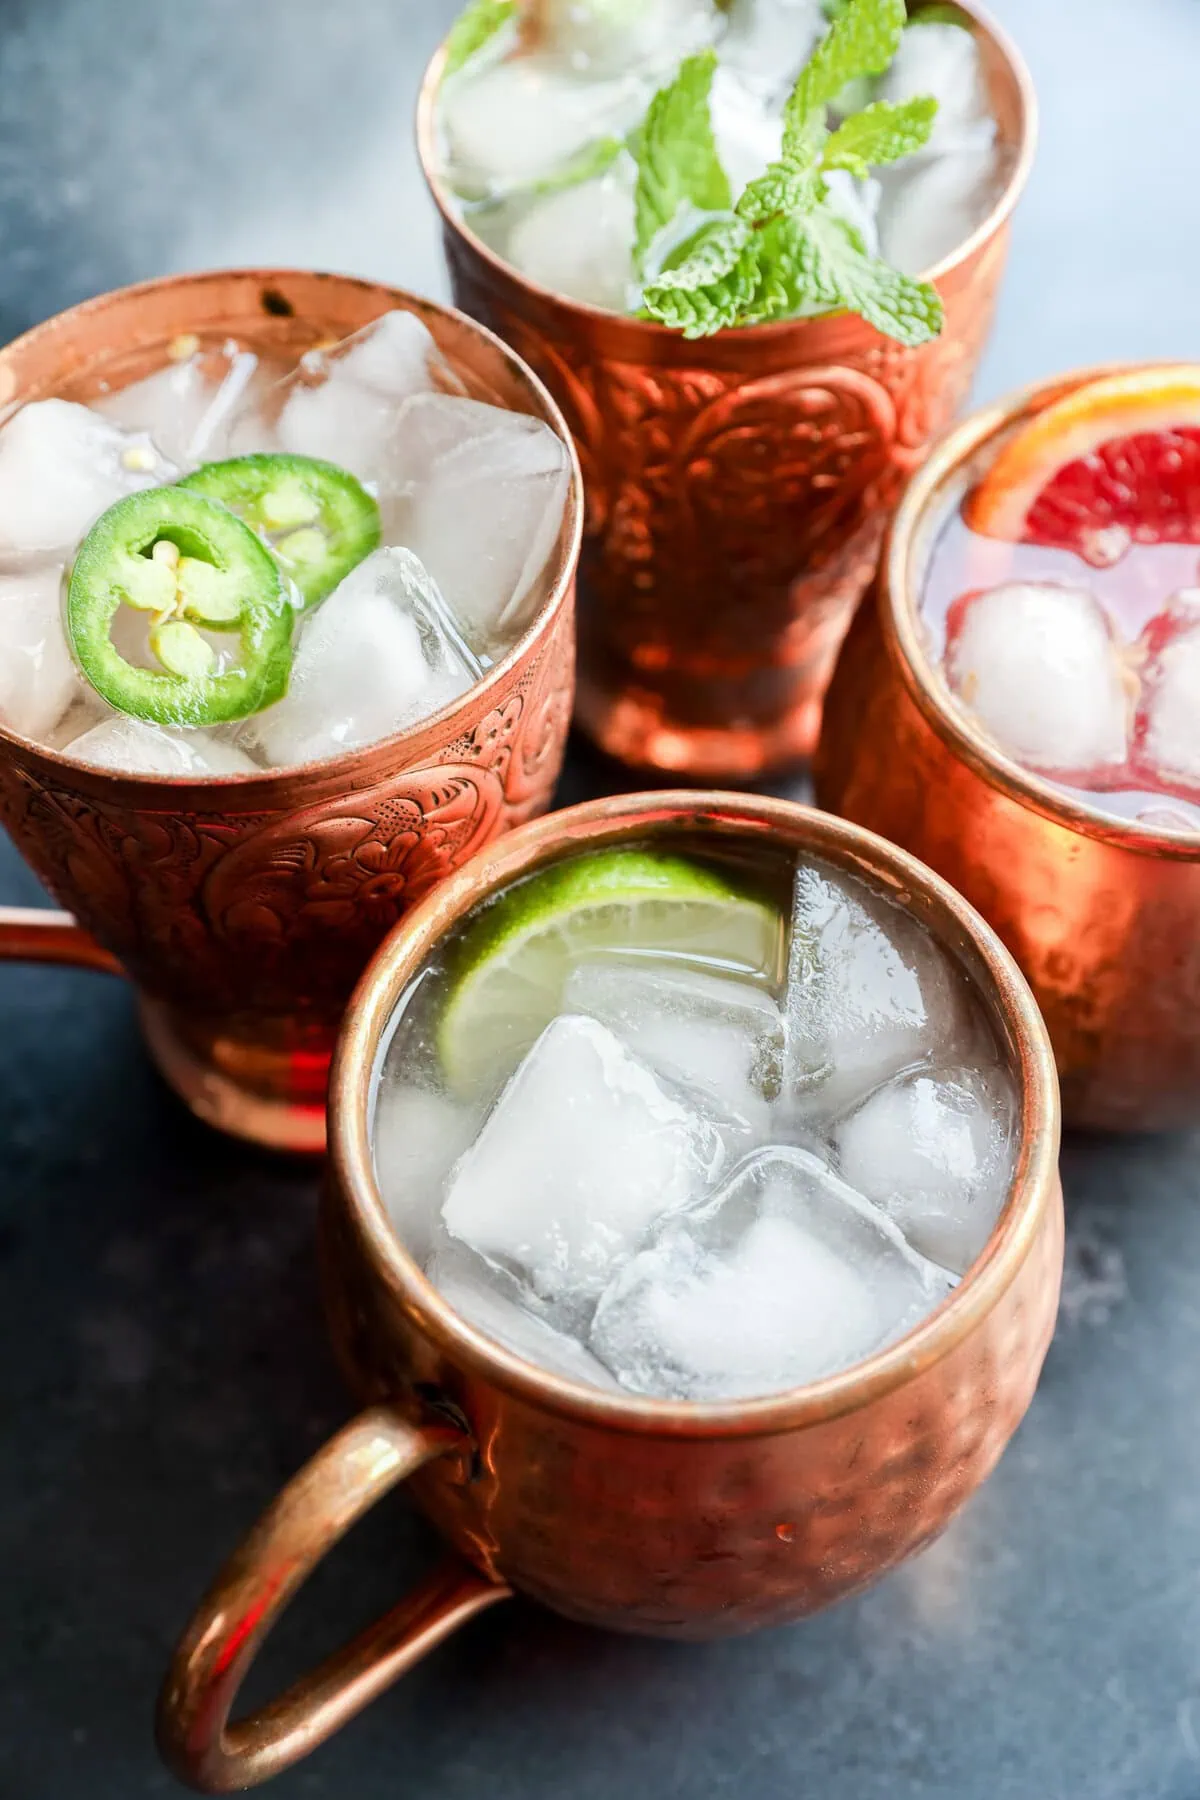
<point x="317" y="518"/>
<point x="189" y="563"/>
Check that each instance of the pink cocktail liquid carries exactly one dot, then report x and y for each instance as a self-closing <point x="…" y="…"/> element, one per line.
<point x="1134" y="590"/>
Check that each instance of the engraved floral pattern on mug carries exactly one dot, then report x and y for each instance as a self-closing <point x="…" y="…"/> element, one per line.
<point x="281" y="909"/>
<point x="737" y="521"/>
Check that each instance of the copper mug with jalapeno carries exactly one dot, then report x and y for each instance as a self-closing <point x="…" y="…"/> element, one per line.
<point x="675" y="1518"/>
<point x="244" y="905"/>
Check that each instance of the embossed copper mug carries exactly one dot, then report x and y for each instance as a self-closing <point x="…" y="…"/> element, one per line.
<point x="245" y="908"/>
<point x="738" y="487"/>
<point x="1103" y="915"/>
<point x="647" y="1516"/>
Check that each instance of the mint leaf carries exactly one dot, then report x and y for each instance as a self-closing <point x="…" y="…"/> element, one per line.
<point x="836" y="269"/>
<point x="862" y="40"/>
<point x="711" y="282"/>
<point x="880" y="134"/>
<point x="585" y="165"/>
<point x="473" y="29"/>
<point x="677" y="155"/>
<point x="787" y="187"/>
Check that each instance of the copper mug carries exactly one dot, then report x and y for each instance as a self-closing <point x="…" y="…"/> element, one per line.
<point x="686" y="1521"/>
<point x="738" y="487"/>
<point x="1102" y="915"/>
<point x="246" y="908"/>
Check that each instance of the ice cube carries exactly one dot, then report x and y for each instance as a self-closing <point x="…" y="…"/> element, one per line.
<point x="1036" y="663"/>
<point x="929" y="205"/>
<point x="938" y="58"/>
<point x="61" y="466"/>
<point x="1167" y="729"/>
<point x="784" y="1276"/>
<point x="603" y="37"/>
<point x="478" y="493"/>
<point x="748" y="131"/>
<point x="491" y="1301"/>
<point x="767" y="42"/>
<point x="718" y="1035"/>
<point x="380" y="654"/>
<point x="341" y="402"/>
<point x="518" y="122"/>
<point x="134" y="747"/>
<point x="931" y="202"/>
<point x="417" y="1137"/>
<point x="186" y="406"/>
<point x="38" y="677"/>
<point x="579" y="242"/>
<point x="582" y="1153"/>
<point x="869" y="994"/>
<point x="858" y="203"/>
<point x="935" y="1152"/>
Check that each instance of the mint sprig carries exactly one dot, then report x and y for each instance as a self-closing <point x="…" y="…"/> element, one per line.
<point x="783" y="250"/>
<point x="474" y="28"/>
<point x="677" y="156"/>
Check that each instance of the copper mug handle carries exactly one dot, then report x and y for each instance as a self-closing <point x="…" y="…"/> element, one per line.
<point x="343" y="1481"/>
<point x="33" y="934"/>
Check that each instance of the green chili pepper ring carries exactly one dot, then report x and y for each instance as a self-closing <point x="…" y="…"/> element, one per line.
<point x="319" y="521"/>
<point x="188" y="562"/>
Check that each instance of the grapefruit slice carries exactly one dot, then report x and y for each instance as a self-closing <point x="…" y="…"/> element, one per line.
<point x="1115" y="462"/>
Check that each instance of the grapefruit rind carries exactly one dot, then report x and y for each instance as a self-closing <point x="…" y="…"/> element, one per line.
<point x="1138" y="401"/>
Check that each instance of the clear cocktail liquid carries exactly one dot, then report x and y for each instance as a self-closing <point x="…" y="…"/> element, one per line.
<point x="466" y="498"/>
<point x="693" y="1128"/>
<point x="1126" y="609"/>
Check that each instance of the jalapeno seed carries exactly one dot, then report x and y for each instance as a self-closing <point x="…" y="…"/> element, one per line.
<point x="319" y="521"/>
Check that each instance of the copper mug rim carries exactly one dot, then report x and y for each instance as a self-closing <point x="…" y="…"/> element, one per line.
<point x="925" y="496"/>
<point x="642" y="339"/>
<point x="212" y="793"/>
<point x="363" y="1041"/>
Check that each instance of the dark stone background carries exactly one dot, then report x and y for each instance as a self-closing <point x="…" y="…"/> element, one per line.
<point x="162" y="1362"/>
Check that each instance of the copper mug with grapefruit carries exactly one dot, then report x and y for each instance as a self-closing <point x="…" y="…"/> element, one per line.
<point x="1022" y="710"/>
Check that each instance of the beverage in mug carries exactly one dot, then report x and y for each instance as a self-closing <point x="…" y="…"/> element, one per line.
<point x="233" y="566"/>
<point x="691" y="1126"/>
<point x="711" y="166"/>
<point x="1061" y="603"/>
<point x="753" y="251"/>
<point x="688" y="1104"/>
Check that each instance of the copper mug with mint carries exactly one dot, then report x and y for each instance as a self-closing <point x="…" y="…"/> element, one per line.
<point x="754" y="256"/>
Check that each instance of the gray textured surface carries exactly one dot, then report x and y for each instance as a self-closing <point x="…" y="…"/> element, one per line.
<point x="162" y="1366"/>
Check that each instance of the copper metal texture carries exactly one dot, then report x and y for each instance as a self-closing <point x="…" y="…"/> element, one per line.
<point x="738" y="487"/>
<point x="645" y="1516"/>
<point x="245" y="908"/>
<point x="1101" y="914"/>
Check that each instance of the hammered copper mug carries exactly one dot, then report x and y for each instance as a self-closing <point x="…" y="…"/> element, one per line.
<point x="245" y="908"/>
<point x="737" y="487"/>
<point x="1102" y="914"/>
<point x="675" y="1520"/>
